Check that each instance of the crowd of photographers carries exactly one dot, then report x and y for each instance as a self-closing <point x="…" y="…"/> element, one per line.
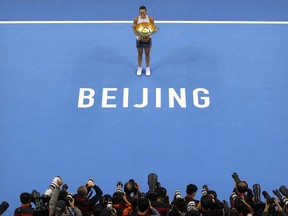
<point x="128" y="200"/>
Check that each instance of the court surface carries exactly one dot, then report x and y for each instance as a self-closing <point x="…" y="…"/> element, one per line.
<point x="216" y="102"/>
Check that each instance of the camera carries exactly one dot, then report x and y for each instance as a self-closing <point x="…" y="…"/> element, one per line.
<point x="284" y="190"/>
<point x="131" y="187"/>
<point x="191" y="206"/>
<point x="257" y="192"/>
<point x="3" y="207"/>
<point x="204" y="190"/>
<point x="119" y="186"/>
<point x="152" y="182"/>
<point x="41" y="203"/>
<point x="177" y="194"/>
<point x="236" y="177"/>
<point x="270" y="200"/>
<point x="65" y="187"/>
<point x="89" y="191"/>
<point x="107" y="201"/>
<point x="233" y="195"/>
<point x="283" y="198"/>
<point x="65" y="195"/>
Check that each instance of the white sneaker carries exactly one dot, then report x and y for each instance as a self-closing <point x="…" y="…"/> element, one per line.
<point x="148" y="72"/>
<point x="139" y="71"/>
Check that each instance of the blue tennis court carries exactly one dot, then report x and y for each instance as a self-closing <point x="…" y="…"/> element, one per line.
<point x="72" y="105"/>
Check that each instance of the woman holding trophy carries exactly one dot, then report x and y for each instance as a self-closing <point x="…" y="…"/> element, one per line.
<point x="143" y="27"/>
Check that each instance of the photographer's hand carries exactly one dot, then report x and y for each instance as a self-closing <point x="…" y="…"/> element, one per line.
<point x="266" y="206"/>
<point x="72" y="203"/>
<point x="137" y="187"/>
<point x="279" y="207"/>
<point x="248" y="207"/>
<point x="90" y="184"/>
<point x="57" y="181"/>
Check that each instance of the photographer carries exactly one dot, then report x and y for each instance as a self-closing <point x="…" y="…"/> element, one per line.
<point x="25" y="208"/>
<point x="41" y="204"/>
<point x="242" y="207"/>
<point x="144" y="208"/>
<point x="179" y="206"/>
<point x="161" y="204"/>
<point x="70" y="207"/>
<point x="82" y="199"/>
<point x="270" y="204"/>
<point x="207" y="206"/>
<point x="241" y="189"/>
<point x="61" y="209"/>
<point x="191" y="191"/>
<point x="282" y="195"/>
<point x="53" y="192"/>
<point x="120" y="202"/>
<point x="131" y="192"/>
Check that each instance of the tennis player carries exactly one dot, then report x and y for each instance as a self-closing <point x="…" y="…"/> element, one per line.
<point x="143" y="43"/>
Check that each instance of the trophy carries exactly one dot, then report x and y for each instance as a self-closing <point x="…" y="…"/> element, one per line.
<point x="145" y="30"/>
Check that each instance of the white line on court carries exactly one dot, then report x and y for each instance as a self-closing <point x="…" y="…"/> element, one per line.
<point x="163" y="22"/>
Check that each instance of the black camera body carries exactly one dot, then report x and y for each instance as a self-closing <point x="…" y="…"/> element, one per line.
<point x="153" y="182"/>
<point x="40" y="203"/>
<point x="119" y="187"/>
<point x="154" y="185"/>
<point x="204" y="190"/>
<point x="257" y="192"/>
<point x="3" y="207"/>
<point x="270" y="200"/>
<point x="283" y="190"/>
<point x="236" y="177"/>
<point x="281" y="197"/>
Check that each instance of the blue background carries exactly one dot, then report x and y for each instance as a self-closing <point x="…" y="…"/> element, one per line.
<point x="43" y="66"/>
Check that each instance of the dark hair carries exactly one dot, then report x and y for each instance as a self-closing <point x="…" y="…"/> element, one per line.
<point x="239" y="204"/>
<point x="242" y="186"/>
<point x="212" y="192"/>
<point x="143" y="204"/>
<point x="82" y="191"/>
<point x="25" y="198"/>
<point x="233" y="212"/>
<point x="181" y="205"/>
<point x="62" y="195"/>
<point x="206" y="201"/>
<point x="117" y="197"/>
<point x="142" y="8"/>
<point x="162" y="192"/>
<point x="191" y="188"/>
<point x="193" y="213"/>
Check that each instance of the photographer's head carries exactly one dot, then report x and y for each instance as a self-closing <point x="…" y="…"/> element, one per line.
<point x="60" y="207"/>
<point x="181" y="204"/>
<point x="82" y="191"/>
<point x="25" y="198"/>
<point x="191" y="190"/>
<point x="193" y="213"/>
<point x="130" y="187"/>
<point x="239" y="204"/>
<point x="233" y="212"/>
<point x="241" y="187"/>
<point x="143" y="206"/>
<point x="107" y="201"/>
<point x="162" y="193"/>
<point x="62" y="195"/>
<point x="117" y="197"/>
<point x="212" y="193"/>
<point x="206" y="202"/>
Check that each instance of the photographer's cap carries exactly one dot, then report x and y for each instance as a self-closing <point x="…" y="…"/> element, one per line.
<point x="60" y="207"/>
